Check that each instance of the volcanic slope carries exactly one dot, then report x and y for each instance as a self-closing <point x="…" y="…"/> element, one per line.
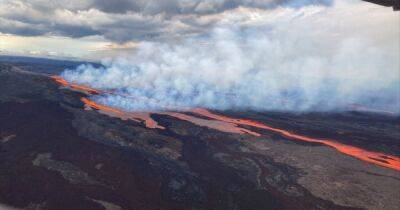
<point x="56" y="152"/>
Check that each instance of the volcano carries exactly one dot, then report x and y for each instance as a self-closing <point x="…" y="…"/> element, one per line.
<point x="60" y="149"/>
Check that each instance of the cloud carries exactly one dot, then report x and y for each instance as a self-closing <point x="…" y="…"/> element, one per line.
<point x="173" y="7"/>
<point x="227" y="53"/>
<point x="311" y="58"/>
<point x="123" y="20"/>
<point x="93" y="48"/>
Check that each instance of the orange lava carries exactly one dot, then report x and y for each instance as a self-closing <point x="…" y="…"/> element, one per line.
<point x="81" y="88"/>
<point x="231" y="125"/>
<point x="97" y="106"/>
<point x="135" y="116"/>
<point x="150" y="123"/>
<point x="213" y="124"/>
<point x="377" y="158"/>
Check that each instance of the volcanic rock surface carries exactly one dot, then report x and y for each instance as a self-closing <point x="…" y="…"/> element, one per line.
<point x="58" y="153"/>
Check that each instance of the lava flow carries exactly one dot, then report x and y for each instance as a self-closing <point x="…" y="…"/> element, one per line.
<point x="150" y="123"/>
<point x="81" y="88"/>
<point x="230" y="125"/>
<point x="223" y="126"/>
<point x="365" y="155"/>
<point x="135" y="116"/>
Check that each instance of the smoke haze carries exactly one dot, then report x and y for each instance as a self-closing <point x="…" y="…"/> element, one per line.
<point x="311" y="58"/>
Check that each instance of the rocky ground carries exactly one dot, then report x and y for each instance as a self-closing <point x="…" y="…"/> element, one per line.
<point x="54" y="154"/>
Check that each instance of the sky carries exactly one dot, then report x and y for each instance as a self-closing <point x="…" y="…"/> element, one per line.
<point x="291" y="55"/>
<point x="96" y="29"/>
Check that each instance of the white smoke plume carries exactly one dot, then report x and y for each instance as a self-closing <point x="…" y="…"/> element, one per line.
<point x="305" y="59"/>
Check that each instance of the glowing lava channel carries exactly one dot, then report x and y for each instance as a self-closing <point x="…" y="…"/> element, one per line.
<point x="80" y="88"/>
<point x="365" y="155"/>
<point x="230" y="125"/>
<point x="135" y="116"/>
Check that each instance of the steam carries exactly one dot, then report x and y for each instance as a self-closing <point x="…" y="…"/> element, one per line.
<point x="311" y="58"/>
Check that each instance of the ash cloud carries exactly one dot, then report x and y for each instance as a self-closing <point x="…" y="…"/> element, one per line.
<point x="308" y="59"/>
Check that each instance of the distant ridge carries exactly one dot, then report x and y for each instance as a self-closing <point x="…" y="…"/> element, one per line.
<point x="43" y="65"/>
<point x="39" y="60"/>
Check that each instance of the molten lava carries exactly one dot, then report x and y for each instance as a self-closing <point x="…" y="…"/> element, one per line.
<point x="213" y="124"/>
<point x="150" y="123"/>
<point x="365" y="155"/>
<point x="81" y="88"/>
<point x="135" y="116"/>
<point x="230" y="125"/>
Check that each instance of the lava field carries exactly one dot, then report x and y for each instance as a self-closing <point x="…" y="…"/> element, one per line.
<point x="61" y="150"/>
